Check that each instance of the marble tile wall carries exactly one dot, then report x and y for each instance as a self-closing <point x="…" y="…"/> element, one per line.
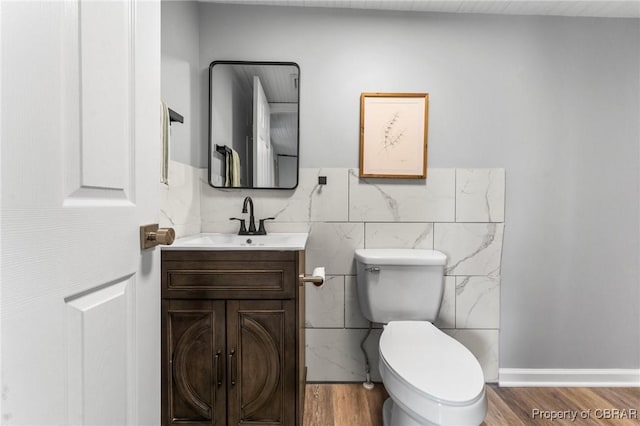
<point x="457" y="211"/>
<point x="180" y="199"/>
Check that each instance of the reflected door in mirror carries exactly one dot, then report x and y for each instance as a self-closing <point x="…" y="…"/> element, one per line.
<point x="254" y="124"/>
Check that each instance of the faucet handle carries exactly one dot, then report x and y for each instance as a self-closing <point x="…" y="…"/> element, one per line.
<point x="243" y="226"/>
<point x="261" y="230"/>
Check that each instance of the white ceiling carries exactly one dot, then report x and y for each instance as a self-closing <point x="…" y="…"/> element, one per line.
<point x="614" y="9"/>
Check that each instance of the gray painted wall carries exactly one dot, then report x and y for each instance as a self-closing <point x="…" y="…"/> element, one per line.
<point x="555" y="101"/>
<point x="181" y="85"/>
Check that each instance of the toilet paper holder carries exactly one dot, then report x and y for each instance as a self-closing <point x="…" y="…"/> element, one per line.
<point x="317" y="278"/>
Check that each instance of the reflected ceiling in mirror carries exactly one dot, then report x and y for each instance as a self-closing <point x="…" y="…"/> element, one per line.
<point x="253" y="124"/>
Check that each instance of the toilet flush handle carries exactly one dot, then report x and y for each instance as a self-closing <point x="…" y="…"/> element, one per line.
<point x="372" y="269"/>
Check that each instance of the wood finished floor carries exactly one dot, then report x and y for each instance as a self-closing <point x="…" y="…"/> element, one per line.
<point x="352" y="405"/>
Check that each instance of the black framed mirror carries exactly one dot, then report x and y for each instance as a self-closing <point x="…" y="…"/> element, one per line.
<point x="254" y="124"/>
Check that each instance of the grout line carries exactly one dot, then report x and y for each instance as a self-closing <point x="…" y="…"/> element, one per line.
<point x="344" y="301"/>
<point x="364" y="235"/>
<point x="349" y="195"/>
<point x="455" y="195"/>
<point x="455" y="302"/>
<point x="433" y="236"/>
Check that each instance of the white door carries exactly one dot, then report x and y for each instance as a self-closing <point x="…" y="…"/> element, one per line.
<point x="263" y="174"/>
<point x="80" y="130"/>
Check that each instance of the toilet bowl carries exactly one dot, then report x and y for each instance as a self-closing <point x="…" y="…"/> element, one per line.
<point x="431" y="378"/>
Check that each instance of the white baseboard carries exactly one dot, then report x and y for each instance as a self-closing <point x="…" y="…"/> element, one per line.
<point x="546" y="377"/>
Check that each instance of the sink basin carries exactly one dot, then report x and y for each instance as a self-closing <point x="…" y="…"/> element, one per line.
<point x="273" y="241"/>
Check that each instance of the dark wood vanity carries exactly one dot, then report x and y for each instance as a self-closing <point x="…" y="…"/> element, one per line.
<point x="232" y="337"/>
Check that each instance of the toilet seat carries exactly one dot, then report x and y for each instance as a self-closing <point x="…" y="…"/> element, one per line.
<point x="431" y="361"/>
<point x="436" y="378"/>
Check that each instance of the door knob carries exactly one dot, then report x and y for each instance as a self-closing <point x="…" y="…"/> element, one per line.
<point x="152" y="235"/>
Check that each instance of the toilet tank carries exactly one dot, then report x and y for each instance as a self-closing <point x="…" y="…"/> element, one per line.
<point x="400" y="284"/>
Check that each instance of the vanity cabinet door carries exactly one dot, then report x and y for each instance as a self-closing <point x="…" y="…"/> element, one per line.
<point x="261" y="358"/>
<point x="193" y="362"/>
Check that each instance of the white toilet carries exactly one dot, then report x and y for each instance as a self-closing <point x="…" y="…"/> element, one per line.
<point x="431" y="378"/>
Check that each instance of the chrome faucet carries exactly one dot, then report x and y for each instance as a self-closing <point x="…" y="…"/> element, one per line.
<point x="247" y="207"/>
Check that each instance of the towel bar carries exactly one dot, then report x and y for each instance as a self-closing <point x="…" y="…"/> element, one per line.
<point x="175" y="117"/>
<point x="223" y="149"/>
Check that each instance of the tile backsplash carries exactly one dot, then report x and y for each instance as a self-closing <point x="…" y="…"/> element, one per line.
<point x="457" y="211"/>
<point x="180" y="199"/>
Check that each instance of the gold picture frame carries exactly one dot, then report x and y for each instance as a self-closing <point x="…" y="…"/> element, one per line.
<point x="393" y="135"/>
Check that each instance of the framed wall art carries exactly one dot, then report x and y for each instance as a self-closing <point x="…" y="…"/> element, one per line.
<point x="393" y="135"/>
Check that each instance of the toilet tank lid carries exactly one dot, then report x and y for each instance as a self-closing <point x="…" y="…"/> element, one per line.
<point x="400" y="257"/>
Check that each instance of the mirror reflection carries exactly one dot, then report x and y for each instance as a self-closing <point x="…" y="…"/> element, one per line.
<point x="253" y="124"/>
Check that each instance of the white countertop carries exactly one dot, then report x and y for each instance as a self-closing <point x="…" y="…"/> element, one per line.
<point x="214" y="241"/>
